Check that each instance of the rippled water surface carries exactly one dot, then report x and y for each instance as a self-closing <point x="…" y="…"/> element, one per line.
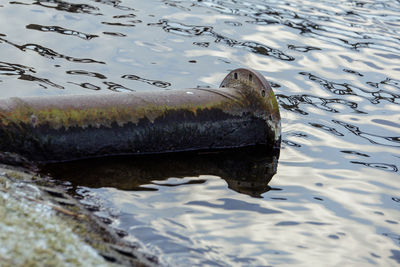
<point x="335" y="67"/>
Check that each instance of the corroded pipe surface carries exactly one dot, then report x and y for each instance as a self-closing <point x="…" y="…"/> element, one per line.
<point x="242" y="112"/>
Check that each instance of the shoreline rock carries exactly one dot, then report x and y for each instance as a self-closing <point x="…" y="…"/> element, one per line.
<point x="40" y="224"/>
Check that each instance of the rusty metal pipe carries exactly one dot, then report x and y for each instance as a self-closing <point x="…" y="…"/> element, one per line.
<point x="242" y="112"/>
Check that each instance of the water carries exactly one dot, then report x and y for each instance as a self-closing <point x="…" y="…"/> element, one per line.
<point x="334" y="66"/>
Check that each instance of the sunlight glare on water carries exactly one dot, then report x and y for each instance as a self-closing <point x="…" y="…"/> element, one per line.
<point x="334" y="66"/>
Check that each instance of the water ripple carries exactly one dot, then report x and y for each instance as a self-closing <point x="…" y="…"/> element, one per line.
<point x="132" y="23"/>
<point x="233" y="204"/>
<point x="293" y="102"/>
<point x="160" y="84"/>
<point x="115" y="4"/>
<point x="193" y="30"/>
<point x="61" y="30"/>
<point x="347" y="89"/>
<point x="63" y="6"/>
<point x="380" y="166"/>
<point x="319" y="23"/>
<point x="373" y="138"/>
<point x="117" y="87"/>
<point x="25" y="73"/>
<point x="49" y="53"/>
<point x="86" y="73"/>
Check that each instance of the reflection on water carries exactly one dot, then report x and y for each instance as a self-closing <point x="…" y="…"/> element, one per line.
<point x="246" y="171"/>
<point x="61" y="30"/>
<point x="193" y="30"/>
<point x="334" y="66"/>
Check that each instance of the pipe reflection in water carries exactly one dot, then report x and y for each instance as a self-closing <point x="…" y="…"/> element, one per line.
<point x="247" y="170"/>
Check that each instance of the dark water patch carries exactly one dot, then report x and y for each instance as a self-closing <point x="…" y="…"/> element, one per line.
<point x="393" y="236"/>
<point x="379" y="166"/>
<point x="10" y="69"/>
<point x="372" y="65"/>
<point x="87" y="85"/>
<point x="117" y="87"/>
<point x="160" y="84"/>
<point x="373" y="138"/>
<point x="176" y="4"/>
<point x="355" y="153"/>
<point x="278" y="198"/>
<point x="62" y="6"/>
<point x="61" y="30"/>
<point x="318" y="223"/>
<point x="49" y="53"/>
<point x="193" y="30"/>
<point x="396" y="199"/>
<point x="375" y="256"/>
<point x="117" y="34"/>
<point x="373" y="84"/>
<point x="395" y="255"/>
<point x="386" y="122"/>
<point x="348" y="59"/>
<point x="25" y="73"/>
<point x="287" y="223"/>
<point x="183" y="29"/>
<point x="293" y="102"/>
<point x="303" y="49"/>
<point x="115" y="4"/>
<point x="388" y="55"/>
<point x="375" y="97"/>
<point x="274" y="84"/>
<point x="86" y="73"/>
<point x="335" y="237"/>
<point x="234" y="204"/>
<point x="296" y="134"/>
<point x="195" y="181"/>
<point x="353" y="72"/>
<point x="290" y="143"/>
<point x="124" y="16"/>
<point x="41" y="81"/>
<point x="233" y="23"/>
<point x="202" y="44"/>
<point x="131" y="23"/>
<point x="391" y="222"/>
<point x="326" y="128"/>
<point x="318" y="198"/>
<point x="392" y="82"/>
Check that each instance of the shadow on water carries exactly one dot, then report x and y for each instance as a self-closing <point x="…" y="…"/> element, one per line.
<point x="247" y="171"/>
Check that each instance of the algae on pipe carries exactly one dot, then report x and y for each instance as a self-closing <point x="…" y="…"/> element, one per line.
<point x="242" y="112"/>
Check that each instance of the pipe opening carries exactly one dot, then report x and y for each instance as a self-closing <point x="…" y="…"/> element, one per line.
<point x="250" y="77"/>
<point x="235" y="75"/>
